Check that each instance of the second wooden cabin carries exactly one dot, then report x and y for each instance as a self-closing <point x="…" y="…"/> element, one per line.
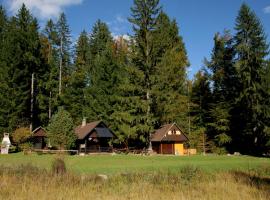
<point x="169" y="139"/>
<point x="94" y="137"/>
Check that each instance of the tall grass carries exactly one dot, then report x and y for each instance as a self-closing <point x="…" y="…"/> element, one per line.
<point x="188" y="183"/>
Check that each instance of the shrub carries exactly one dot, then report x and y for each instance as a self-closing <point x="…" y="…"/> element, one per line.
<point x="21" y="138"/>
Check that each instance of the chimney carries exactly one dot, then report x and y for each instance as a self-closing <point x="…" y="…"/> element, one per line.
<point x="84" y="122"/>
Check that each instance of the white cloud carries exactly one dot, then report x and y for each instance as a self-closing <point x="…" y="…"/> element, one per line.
<point x="266" y="9"/>
<point x="124" y="36"/>
<point x="120" y="19"/>
<point x="119" y="25"/>
<point x="42" y="9"/>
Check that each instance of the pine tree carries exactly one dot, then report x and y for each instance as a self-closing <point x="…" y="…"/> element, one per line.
<point x="201" y="100"/>
<point x="128" y="106"/>
<point x="61" y="131"/>
<point x="74" y="99"/>
<point x="50" y="35"/>
<point x="101" y="74"/>
<point x="64" y="53"/>
<point x="170" y="84"/>
<point x="251" y="49"/>
<point x="266" y="108"/>
<point x="223" y="93"/>
<point x="144" y="17"/>
<point x="23" y="53"/>
<point x="4" y="78"/>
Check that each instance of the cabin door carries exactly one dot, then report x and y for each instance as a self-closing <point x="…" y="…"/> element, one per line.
<point x="167" y="148"/>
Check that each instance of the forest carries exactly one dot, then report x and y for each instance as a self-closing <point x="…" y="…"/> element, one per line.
<point x="139" y="83"/>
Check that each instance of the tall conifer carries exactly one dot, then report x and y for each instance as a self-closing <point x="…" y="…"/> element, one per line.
<point x="251" y="50"/>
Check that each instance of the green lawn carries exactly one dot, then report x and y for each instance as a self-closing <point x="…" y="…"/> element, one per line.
<point x="109" y="164"/>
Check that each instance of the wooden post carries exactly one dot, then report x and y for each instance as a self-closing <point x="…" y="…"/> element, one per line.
<point x="161" y="148"/>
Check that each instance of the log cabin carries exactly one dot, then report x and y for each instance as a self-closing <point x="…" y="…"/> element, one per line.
<point x="94" y="137"/>
<point x="169" y="139"/>
<point x="39" y="138"/>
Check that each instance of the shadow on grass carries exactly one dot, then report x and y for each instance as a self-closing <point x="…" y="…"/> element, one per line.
<point x="253" y="179"/>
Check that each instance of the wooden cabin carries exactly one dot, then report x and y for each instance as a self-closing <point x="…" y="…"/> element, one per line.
<point x="94" y="137"/>
<point x="169" y="139"/>
<point x="38" y="138"/>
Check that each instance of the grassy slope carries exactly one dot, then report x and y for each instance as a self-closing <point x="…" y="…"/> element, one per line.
<point x="134" y="163"/>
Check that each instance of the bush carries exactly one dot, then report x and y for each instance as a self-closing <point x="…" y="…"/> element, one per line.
<point x="21" y="138"/>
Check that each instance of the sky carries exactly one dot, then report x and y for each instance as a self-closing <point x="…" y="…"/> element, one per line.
<point x="198" y="20"/>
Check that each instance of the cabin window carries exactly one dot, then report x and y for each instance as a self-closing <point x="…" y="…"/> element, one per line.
<point x="178" y="133"/>
<point x="170" y="132"/>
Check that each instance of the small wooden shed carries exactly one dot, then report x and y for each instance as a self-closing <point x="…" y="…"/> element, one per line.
<point x="38" y="138"/>
<point x="169" y="139"/>
<point x="94" y="137"/>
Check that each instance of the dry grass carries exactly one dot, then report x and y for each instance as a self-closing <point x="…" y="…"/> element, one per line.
<point x="189" y="183"/>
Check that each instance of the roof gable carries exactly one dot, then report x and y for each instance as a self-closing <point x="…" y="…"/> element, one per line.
<point x="83" y="131"/>
<point x="98" y="128"/>
<point x="169" y="132"/>
<point x="39" y="132"/>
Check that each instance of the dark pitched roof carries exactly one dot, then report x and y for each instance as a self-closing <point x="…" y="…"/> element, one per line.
<point x="83" y="131"/>
<point x="161" y="134"/>
<point x="39" y="132"/>
<point x="104" y="132"/>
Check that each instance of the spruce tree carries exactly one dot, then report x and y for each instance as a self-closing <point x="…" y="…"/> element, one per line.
<point x="61" y="131"/>
<point x="23" y="53"/>
<point x="200" y="105"/>
<point x="101" y="74"/>
<point x="170" y="84"/>
<point x="4" y="76"/>
<point x="144" y="17"/>
<point x="251" y="50"/>
<point x="223" y="77"/>
<point x="128" y="106"/>
<point x="74" y="99"/>
<point x="51" y="35"/>
<point x="64" y="51"/>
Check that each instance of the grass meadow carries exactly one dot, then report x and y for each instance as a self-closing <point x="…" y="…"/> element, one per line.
<point x="135" y="177"/>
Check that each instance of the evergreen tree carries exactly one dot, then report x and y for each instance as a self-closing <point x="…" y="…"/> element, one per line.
<point x="144" y="17"/>
<point x="64" y="51"/>
<point x="128" y="105"/>
<point x="170" y="84"/>
<point x="23" y="53"/>
<point x="61" y="131"/>
<point x="251" y="49"/>
<point x="51" y="35"/>
<point x="201" y="100"/>
<point x="4" y="78"/>
<point x="266" y="108"/>
<point x="74" y="98"/>
<point x="224" y="80"/>
<point x="101" y="80"/>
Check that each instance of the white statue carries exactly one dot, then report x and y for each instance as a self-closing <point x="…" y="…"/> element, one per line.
<point x="5" y="144"/>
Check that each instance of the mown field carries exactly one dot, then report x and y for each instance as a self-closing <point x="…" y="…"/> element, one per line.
<point x="135" y="177"/>
<point x="110" y="164"/>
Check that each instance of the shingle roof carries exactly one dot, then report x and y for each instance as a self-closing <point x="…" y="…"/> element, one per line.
<point x="104" y="133"/>
<point x="82" y="131"/>
<point x="161" y="134"/>
<point x="39" y="132"/>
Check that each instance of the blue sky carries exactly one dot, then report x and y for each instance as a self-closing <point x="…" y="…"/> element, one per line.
<point x="198" y="20"/>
